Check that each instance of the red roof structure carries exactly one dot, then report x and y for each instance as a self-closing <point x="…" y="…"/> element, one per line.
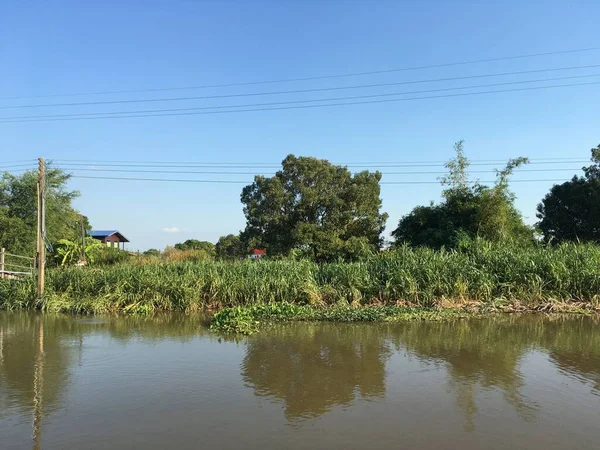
<point x="259" y="253"/>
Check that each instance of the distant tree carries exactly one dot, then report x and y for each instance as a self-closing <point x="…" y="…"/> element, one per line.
<point x="18" y="210"/>
<point x="230" y="247"/>
<point x="571" y="210"/>
<point x="467" y="210"/>
<point x="152" y="252"/>
<point x="194" y="244"/>
<point x="316" y="208"/>
<point x="426" y="226"/>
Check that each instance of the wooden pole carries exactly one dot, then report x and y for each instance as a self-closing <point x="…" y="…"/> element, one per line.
<point x="39" y="231"/>
<point x="82" y="240"/>
<point x="2" y="252"/>
<point x="41" y="228"/>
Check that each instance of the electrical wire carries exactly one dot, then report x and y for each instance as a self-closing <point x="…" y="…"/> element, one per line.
<point x="20" y="161"/>
<point x="15" y="172"/>
<point x="97" y="166"/>
<point x="254" y="163"/>
<point x="248" y="105"/>
<point x="299" y="91"/>
<point x="250" y="182"/>
<point x="321" y="77"/>
<point x="17" y="166"/>
<point x="263" y="164"/>
<point x="162" y="179"/>
<point x="307" y="106"/>
<point x="75" y="166"/>
<point x="187" y="172"/>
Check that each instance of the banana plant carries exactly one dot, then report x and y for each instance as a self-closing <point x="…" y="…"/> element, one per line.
<point x="68" y="252"/>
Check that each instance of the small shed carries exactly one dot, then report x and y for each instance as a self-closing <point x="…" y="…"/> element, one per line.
<point x="112" y="238"/>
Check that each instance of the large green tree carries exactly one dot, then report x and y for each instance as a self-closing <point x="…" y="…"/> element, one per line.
<point x="466" y="210"/>
<point x="18" y="210"/>
<point x="314" y="209"/>
<point x="571" y="210"/>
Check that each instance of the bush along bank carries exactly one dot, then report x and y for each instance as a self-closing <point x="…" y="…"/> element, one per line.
<point x="490" y="276"/>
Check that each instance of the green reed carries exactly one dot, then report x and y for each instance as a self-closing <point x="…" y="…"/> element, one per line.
<point x="495" y="276"/>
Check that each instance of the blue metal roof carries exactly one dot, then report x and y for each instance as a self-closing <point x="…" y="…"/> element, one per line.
<point x="105" y="233"/>
<point x="101" y="233"/>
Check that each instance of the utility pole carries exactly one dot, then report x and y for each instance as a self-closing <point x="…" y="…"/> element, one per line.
<point x="41" y="227"/>
<point x="2" y="252"/>
<point x="82" y="241"/>
<point x="39" y="231"/>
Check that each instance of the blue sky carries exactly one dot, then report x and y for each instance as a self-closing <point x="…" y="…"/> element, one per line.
<point x="78" y="47"/>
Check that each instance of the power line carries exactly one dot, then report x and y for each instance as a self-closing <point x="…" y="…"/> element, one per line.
<point x="18" y="166"/>
<point x="14" y="172"/>
<point x="17" y="172"/>
<point x="473" y="182"/>
<point x="76" y="166"/>
<point x="250" y="182"/>
<point x="247" y="105"/>
<point x="298" y="91"/>
<point x="272" y="173"/>
<point x="133" y="166"/>
<point x="321" y="77"/>
<point x="263" y="164"/>
<point x="308" y="106"/>
<point x="162" y="179"/>
<point x="20" y="161"/>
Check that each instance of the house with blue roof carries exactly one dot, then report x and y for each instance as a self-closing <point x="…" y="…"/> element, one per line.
<point x="112" y="238"/>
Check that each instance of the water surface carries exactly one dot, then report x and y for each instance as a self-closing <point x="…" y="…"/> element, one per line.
<point x="166" y="382"/>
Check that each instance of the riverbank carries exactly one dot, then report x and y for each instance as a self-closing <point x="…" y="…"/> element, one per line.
<point x="488" y="277"/>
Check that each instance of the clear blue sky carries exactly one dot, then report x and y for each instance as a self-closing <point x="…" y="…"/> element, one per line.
<point x="78" y="47"/>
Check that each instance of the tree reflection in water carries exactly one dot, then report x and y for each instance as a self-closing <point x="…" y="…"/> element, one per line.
<point x="574" y="347"/>
<point x="477" y="352"/>
<point x="313" y="367"/>
<point x="309" y="367"/>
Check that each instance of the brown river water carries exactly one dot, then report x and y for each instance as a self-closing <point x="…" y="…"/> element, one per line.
<point x="166" y="382"/>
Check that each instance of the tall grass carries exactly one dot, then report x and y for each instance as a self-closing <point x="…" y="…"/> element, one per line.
<point x="482" y="273"/>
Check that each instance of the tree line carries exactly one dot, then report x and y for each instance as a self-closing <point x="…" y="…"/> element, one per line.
<point x="313" y="209"/>
<point x="316" y="210"/>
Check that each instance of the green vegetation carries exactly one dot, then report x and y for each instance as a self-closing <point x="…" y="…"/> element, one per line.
<point x="321" y="226"/>
<point x="316" y="210"/>
<point x="230" y="247"/>
<point x="194" y="244"/>
<point x="468" y="210"/>
<point x="490" y="276"/>
<point x="18" y="211"/>
<point x="248" y="319"/>
<point x="571" y="211"/>
<point x="69" y="252"/>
